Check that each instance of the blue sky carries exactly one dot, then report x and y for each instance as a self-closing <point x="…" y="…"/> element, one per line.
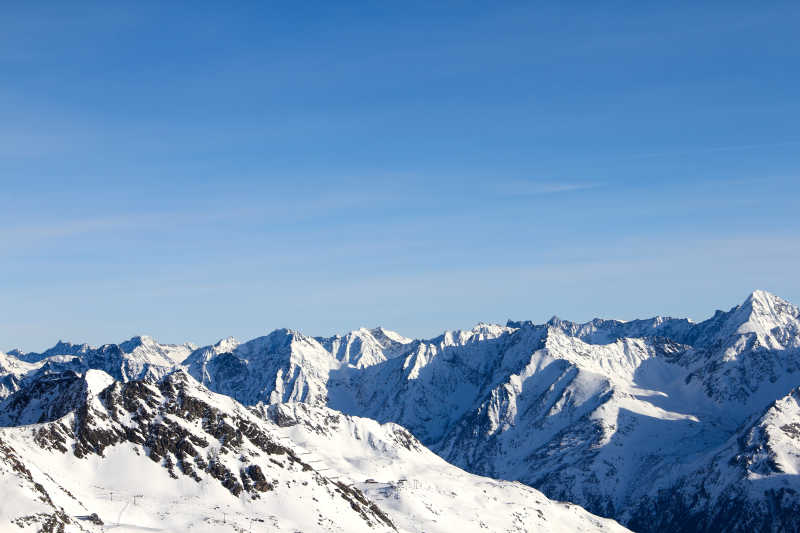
<point x="192" y="172"/>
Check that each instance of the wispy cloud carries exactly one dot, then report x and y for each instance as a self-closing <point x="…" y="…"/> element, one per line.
<point x="276" y="209"/>
<point x="728" y="148"/>
<point x="55" y="229"/>
<point x="524" y="187"/>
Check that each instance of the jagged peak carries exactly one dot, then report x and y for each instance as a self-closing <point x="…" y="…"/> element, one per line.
<point x="59" y="348"/>
<point x="765" y="302"/>
<point x="361" y="332"/>
<point x="760" y="295"/>
<point x="378" y="333"/>
<point x="479" y="330"/>
<point x="66" y="348"/>
<point x="381" y="332"/>
<point x="226" y="344"/>
<point x="286" y="332"/>
<point x="763" y="314"/>
<point x="180" y="377"/>
<point x="762" y="309"/>
<point x="277" y="341"/>
<point x="149" y="342"/>
<point x="134" y="342"/>
<point x="486" y="328"/>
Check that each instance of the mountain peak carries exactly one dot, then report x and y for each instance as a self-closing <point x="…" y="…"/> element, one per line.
<point x="60" y="348"/>
<point x="135" y="342"/>
<point x="386" y="337"/>
<point x="765" y="302"/>
<point x="767" y="316"/>
<point x="286" y="332"/>
<point x="227" y="344"/>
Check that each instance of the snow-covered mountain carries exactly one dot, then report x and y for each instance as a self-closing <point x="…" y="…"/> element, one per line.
<point x="419" y="490"/>
<point x="365" y="347"/>
<point x="648" y="421"/>
<point x="175" y="456"/>
<point x="280" y="367"/>
<point x="166" y="454"/>
<point x="133" y="359"/>
<point x="747" y="484"/>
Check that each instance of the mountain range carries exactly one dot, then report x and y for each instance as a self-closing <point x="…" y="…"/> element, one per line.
<point x="662" y="424"/>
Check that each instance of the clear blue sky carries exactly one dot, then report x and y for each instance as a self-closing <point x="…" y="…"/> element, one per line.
<point x="192" y="172"/>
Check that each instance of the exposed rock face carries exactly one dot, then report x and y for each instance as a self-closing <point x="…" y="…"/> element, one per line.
<point x="176" y="424"/>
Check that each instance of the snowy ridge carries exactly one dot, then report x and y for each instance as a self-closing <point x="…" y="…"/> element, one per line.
<point x="282" y="366"/>
<point x="631" y="420"/>
<point x="133" y="359"/>
<point x="365" y="347"/>
<point x="168" y="455"/>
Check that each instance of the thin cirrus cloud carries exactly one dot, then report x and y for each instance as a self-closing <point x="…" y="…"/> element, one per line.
<point x="32" y="236"/>
<point x="532" y="188"/>
<point x="276" y="209"/>
<point x="712" y="149"/>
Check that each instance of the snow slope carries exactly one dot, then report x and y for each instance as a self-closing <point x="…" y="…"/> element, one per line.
<point x="607" y="414"/>
<point x="747" y="484"/>
<point x="603" y="414"/>
<point x="419" y="491"/>
<point x="168" y="455"/>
